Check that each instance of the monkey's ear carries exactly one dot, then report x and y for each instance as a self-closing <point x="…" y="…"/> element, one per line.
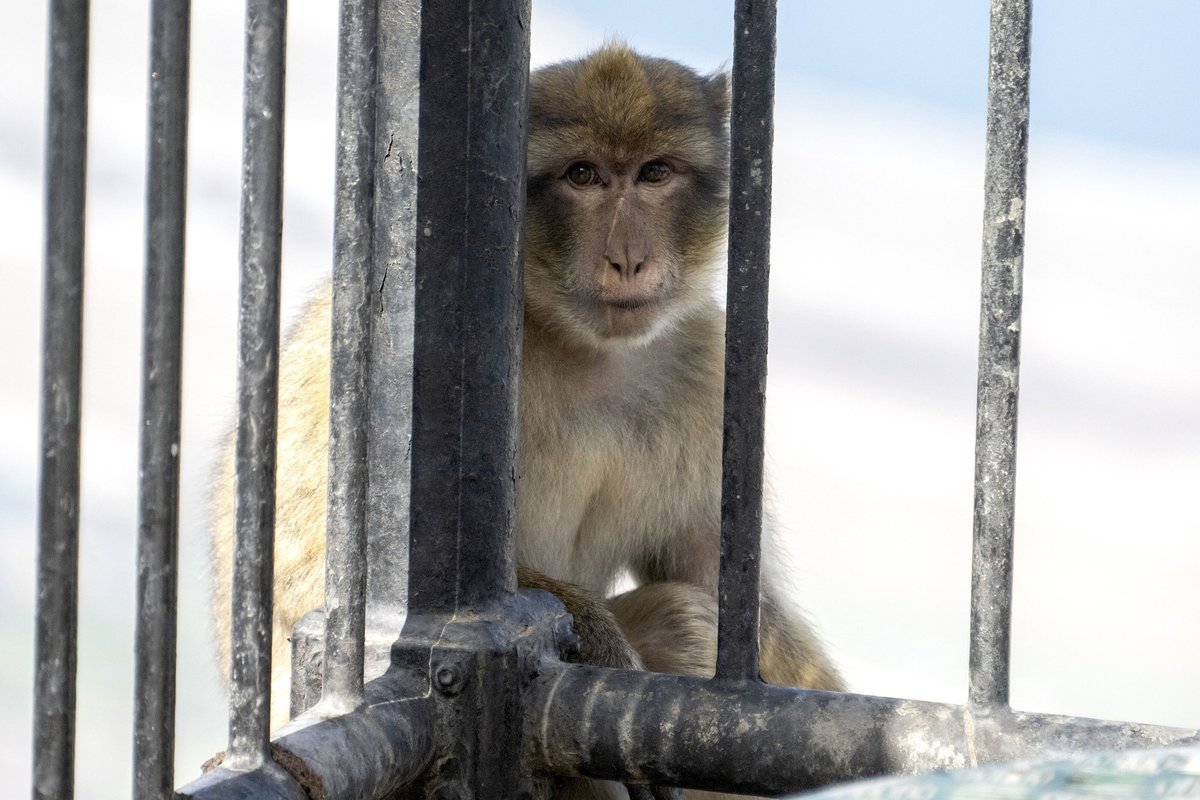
<point x="716" y="90"/>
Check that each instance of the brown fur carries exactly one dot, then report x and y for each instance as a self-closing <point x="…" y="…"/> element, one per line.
<point x="621" y="393"/>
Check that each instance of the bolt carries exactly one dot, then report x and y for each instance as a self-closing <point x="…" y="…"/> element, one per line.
<point x="448" y="678"/>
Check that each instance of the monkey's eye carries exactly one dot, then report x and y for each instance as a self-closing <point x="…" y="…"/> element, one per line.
<point x="654" y="171"/>
<point x="582" y="173"/>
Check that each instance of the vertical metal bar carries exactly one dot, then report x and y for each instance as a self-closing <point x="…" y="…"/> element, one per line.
<point x="751" y="131"/>
<point x="390" y="368"/>
<point x="62" y="344"/>
<point x="346" y="548"/>
<point x="258" y="384"/>
<point x="470" y="210"/>
<point x="999" y="351"/>
<point x="158" y="526"/>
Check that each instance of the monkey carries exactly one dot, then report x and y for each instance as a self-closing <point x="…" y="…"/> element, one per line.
<point x="621" y="393"/>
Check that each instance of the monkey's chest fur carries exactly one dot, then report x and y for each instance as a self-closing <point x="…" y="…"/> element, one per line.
<point x="620" y="457"/>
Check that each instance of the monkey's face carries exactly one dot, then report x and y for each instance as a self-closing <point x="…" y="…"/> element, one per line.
<point x="626" y="195"/>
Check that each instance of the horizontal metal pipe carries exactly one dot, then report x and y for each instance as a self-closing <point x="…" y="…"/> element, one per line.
<point x="999" y="352"/>
<point x="746" y="736"/>
<point x="752" y="132"/>
<point x="268" y="782"/>
<point x="368" y="753"/>
<point x="62" y="344"/>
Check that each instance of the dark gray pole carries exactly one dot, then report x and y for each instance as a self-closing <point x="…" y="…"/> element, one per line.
<point x="62" y="344"/>
<point x="751" y="133"/>
<point x="158" y="526"/>
<point x="258" y="385"/>
<point x="999" y="351"/>
<point x="346" y="542"/>
<point x="470" y="212"/>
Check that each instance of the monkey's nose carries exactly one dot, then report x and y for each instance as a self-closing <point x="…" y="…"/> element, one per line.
<point x="623" y="270"/>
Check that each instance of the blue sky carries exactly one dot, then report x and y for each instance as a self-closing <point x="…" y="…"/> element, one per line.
<point x="1117" y="72"/>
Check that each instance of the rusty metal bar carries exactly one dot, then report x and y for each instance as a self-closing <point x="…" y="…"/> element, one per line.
<point x="752" y="130"/>
<point x="999" y="352"/>
<point x="62" y="345"/>
<point x="258" y="385"/>
<point x="162" y="363"/>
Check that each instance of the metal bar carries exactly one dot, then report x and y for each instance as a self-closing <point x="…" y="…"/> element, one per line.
<point x="999" y="351"/>
<point x="754" y="738"/>
<point x="62" y="344"/>
<point x="752" y="130"/>
<point x="158" y="524"/>
<point x="346" y="547"/>
<point x="391" y="328"/>
<point x="470" y="207"/>
<point x="258" y="384"/>
<point x="367" y="754"/>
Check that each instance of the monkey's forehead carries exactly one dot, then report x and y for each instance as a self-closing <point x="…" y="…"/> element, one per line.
<point x="618" y="105"/>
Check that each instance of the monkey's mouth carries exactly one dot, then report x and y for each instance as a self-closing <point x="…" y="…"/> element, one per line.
<point x="630" y="304"/>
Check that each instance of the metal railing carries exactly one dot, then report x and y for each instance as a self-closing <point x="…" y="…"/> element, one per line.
<point x="471" y="700"/>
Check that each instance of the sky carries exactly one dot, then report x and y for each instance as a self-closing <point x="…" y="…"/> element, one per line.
<point x="1103" y="70"/>
<point x="875" y="250"/>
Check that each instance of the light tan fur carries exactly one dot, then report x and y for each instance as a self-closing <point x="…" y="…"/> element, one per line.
<point x="621" y="392"/>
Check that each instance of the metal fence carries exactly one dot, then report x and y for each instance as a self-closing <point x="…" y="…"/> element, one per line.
<point x="475" y="701"/>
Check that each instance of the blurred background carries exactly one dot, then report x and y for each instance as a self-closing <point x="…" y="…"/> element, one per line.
<point x="875" y="280"/>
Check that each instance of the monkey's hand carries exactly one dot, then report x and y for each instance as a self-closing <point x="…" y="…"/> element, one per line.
<point x="601" y="641"/>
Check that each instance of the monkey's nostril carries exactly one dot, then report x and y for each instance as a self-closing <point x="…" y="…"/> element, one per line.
<point x="637" y="268"/>
<point x="616" y="266"/>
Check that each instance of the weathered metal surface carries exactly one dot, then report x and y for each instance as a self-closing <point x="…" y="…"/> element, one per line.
<point x="448" y="714"/>
<point x="750" y="737"/>
<point x="477" y="667"/>
<point x="354" y="208"/>
<point x="1170" y="773"/>
<point x="62" y="344"/>
<point x="388" y="223"/>
<point x="258" y="384"/>
<point x="999" y="351"/>
<point x="389" y="445"/>
<point x="268" y="782"/>
<point x="752" y="131"/>
<point x="381" y="747"/>
<point x="467" y="341"/>
<point x="162" y="337"/>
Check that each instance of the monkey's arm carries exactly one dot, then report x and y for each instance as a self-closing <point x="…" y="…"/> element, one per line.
<point x="601" y="640"/>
